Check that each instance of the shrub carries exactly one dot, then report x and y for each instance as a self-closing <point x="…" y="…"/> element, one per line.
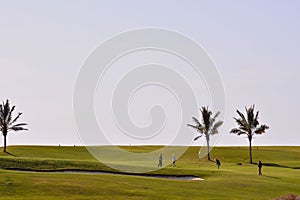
<point x="288" y="197"/>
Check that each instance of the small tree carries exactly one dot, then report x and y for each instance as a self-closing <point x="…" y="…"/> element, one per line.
<point x="208" y="127"/>
<point x="249" y="126"/>
<point x="7" y="122"/>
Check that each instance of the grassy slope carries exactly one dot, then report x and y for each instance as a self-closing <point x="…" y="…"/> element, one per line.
<point x="231" y="182"/>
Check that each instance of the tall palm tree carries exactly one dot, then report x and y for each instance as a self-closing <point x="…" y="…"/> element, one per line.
<point x="249" y="126"/>
<point x="208" y="127"/>
<point x="7" y="122"/>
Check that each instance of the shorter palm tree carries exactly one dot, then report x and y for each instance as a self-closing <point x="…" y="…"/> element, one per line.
<point x="249" y="126"/>
<point x="7" y="122"/>
<point x="208" y="127"/>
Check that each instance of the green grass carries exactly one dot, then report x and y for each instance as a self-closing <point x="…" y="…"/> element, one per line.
<point x="236" y="180"/>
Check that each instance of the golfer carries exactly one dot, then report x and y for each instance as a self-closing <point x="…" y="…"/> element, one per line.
<point x="218" y="163"/>
<point x="173" y="160"/>
<point x="259" y="168"/>
<point x="160" y="160"/>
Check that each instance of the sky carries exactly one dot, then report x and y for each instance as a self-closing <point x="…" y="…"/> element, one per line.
<point x="255" y="46"/>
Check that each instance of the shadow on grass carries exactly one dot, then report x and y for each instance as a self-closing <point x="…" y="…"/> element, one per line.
<point x="277" y="165"/>
<point x="274" y="177"/>
<point x="6" y="152"/>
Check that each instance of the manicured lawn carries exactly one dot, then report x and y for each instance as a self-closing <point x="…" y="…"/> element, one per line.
<point x="236" y="180"/>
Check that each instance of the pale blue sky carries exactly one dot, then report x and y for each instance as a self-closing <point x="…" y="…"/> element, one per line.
<point x="254" y="44"/>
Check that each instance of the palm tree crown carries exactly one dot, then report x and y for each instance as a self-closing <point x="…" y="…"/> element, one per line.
<point x="207" y="127"/>
<point x="8" y="122"/>
<point x="249" y="126"/>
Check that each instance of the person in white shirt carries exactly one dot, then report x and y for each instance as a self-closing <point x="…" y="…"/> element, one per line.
<point x="173" y="160"/>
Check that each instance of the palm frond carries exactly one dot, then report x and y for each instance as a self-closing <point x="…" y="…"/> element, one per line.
<point x="196" y="138"/>
<point x="234" y="130"/>
<point x="242" y="133"/>
<point x="250" y="115"/>
<point x="216" y="115"/>
<point x="206" y="117"/>
<point x="238" y="131"/>
<point x="241" y="122"/>
<point x="213" y="119"/>
<point x="193" y="126"/>
<point x="6" y="110"/>
<point x="16" y="118"/>
<point x="241" y="115"/>
<point x="18" y="128"/>
<point x="214" y="129"/>
<point x="261" y="129"/>
<point x="256" y="119"/>
<point x="196" y="121"/>
<point x="243" y="128"/>
<point x="10" y="114"/>
<point x="199" y="128"/>
<point x="21" y="124"/>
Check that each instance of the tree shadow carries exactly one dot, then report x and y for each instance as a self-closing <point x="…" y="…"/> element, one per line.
<point x="10" y="154"/>
<point x="296" y="167"/>
<point x="277" y="165"/>
<point x="274" y="177"/>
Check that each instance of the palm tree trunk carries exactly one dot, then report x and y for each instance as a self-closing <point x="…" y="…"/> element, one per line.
<point x="208" y="150"/>
<point x="250" y="148"/>
<point x="4" y="147"/>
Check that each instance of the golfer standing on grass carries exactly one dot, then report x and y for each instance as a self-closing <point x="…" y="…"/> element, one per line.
<point x="160" y="160"/>
<point x="259" y="168"/>
<point x="218" y="163"/>
<point x="173" y="160"/>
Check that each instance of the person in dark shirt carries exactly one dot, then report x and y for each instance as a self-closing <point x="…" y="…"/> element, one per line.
<point x="259" y="168"/>
<point x="218" y="163"/>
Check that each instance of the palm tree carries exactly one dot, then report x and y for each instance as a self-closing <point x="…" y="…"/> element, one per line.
<point x="208" y="127"/>
<point x="7" y="122"/>
<point x="249" y="126"/>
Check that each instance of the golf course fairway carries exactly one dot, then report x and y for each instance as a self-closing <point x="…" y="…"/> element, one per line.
<point x="237" y="179"/>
